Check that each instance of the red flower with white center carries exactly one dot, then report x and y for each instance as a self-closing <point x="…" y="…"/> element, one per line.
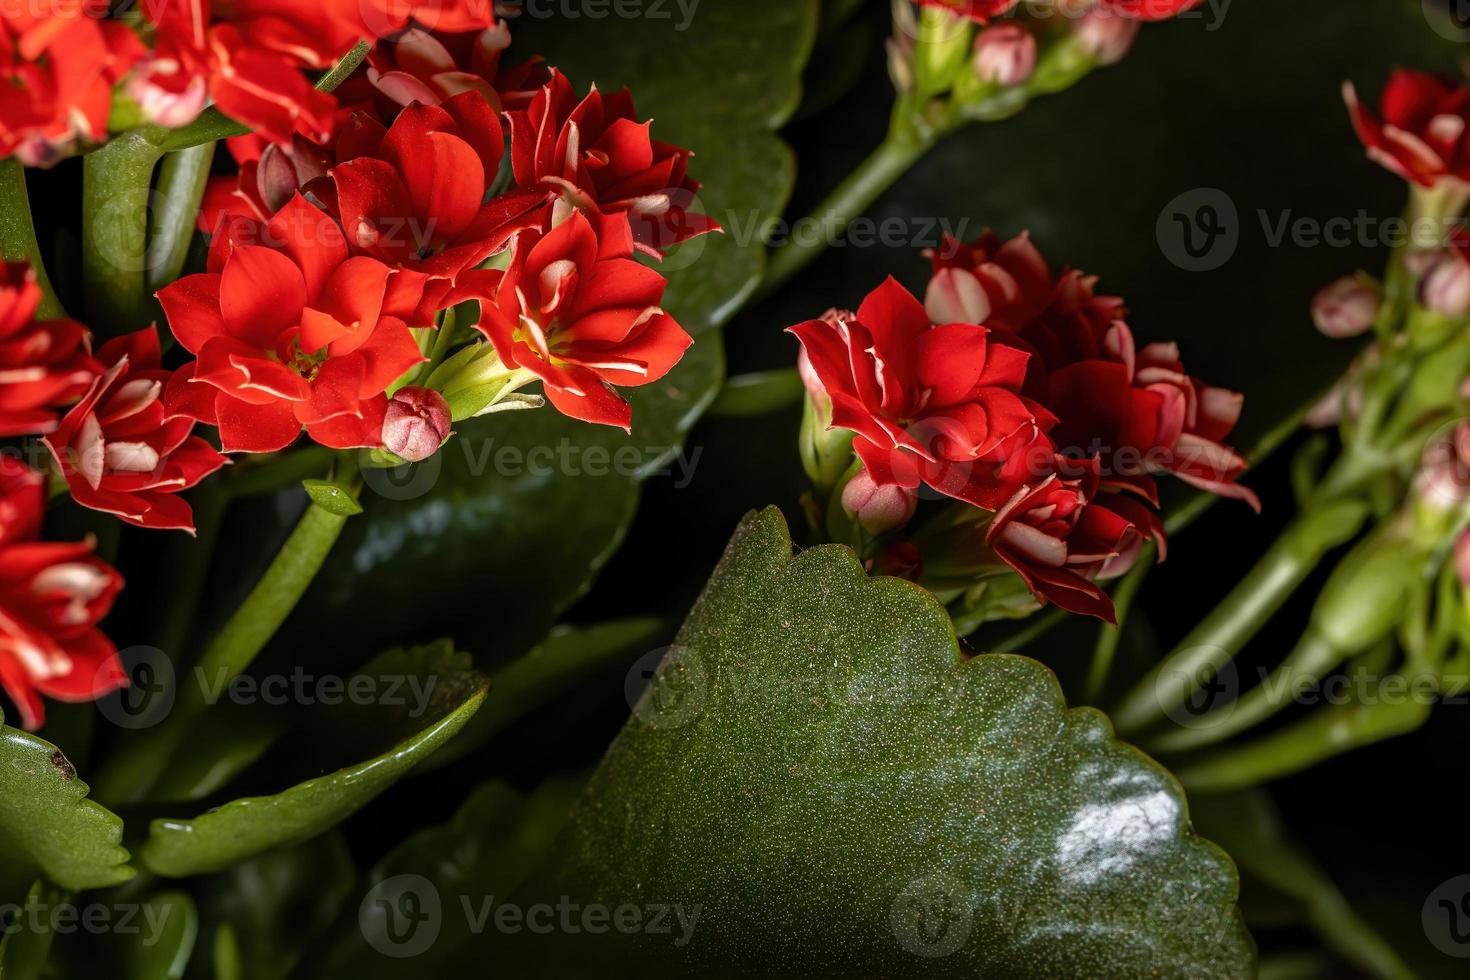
<point x="288" y="334"/>
<point x="596" y="152"/>
<point x="430" y="68"/>
<point x="980" y="11"/>
<point x="119" y="452"/>
<point x="1059" y="539"/>
<point x="579" y="313"/>
<point x="44" y="364"/>
<point x="249" y="56"/>
<point x="933" y="404"/>
<point x="1421" y="133"/>
<point x="417" y="201"/>
<point x="51" y="597"/>
<point x="59" y="60"/>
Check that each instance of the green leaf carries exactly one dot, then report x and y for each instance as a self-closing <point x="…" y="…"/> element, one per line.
<point x="821" y="778"/>
<point x="261" y="916"/>
<point x="148" y="937"/>
<point x="27" y="940"/>
<point x="759" y="393"/>
<point x="566" y="658"/>
<point x="246" y="827"/>
<point x="549" y="514"/>
<point x="332" y="498"/>
<point x="48" y="827"/>
<point x="488" y="849"/>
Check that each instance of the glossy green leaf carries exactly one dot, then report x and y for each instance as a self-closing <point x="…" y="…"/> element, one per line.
<point x="567" y="657"/>
<point x="525" y="533"/>
<point x="759" y="393"/>
<point x="48" y="827"/>
<point x="332" y="498"/>
<point x="261" y="916"/>
<point x="27" y="940"/>
<point x="820" y="776"/>
<point x="246" y="827"/>
<point x="487" y="850"/>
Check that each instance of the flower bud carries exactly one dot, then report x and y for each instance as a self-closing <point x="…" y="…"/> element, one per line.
<point x="167" y="95"/>
<point x="1446" y="289"/>
<point x="1444" y="473"/>
<point x="878" y="509"/>
<point x="1105" y="36"/>
<point x="1005" y="54"/>
<point x="1346" y="307"/>
<point x="416" y="423"/>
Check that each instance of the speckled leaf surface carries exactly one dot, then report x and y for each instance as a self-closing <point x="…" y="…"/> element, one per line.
<point x="48" y="827"/>
<point x="819" y="771"/>
<point x="550" y="511"/>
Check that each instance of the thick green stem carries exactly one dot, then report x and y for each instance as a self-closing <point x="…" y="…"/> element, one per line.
<point x="181" y="181"/>
<point x="853" y="196"/>
<point x="1321" y="735"/>
<point x="1221" y="634"/>
<point x="1109" y="636"/>
<point x="142" y="760"/>
<point x="115" y="196"/>
<point x="18" y="234"/>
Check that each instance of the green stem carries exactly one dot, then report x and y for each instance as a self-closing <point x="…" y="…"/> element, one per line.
<point x="1108" y="636"/>
<point x="1221" y="634"/>
<point x="141" y="761"/>
<point x="18" y="234"/>
<point x="1321" y="735"/>
<point x="853" y="196"/>
<point x="181" y="182"/>
<point x="115" y="196"/>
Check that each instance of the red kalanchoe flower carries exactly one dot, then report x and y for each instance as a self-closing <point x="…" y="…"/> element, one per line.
<point x="980" y="11"/>
<point x="417" y="201"/>
<point x="51" y="597"/>
<point x="430" y="68"/>
<point x="119" y="453"/>
<point x="576" y="310"/>
<point x="933" y="404"/>
<point x="1000" y="284"/>
<point x="59" y="60"/>
<point x="1149" y="9"/>
<point x="596" y="153"/>
<point x="1422" y="133"/>
<point x="249" y="55"/>
<point x="288" y="334"/>
<point x="1059" y="538"/>
<point x="43" y="364"/>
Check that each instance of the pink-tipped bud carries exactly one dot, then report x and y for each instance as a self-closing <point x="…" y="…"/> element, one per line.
<point x="1462" y="558"/>
<point x="878" y="508"/>
<point x="1106" y="36"/>
<point x="1346" y="307"/>
<point x="1446" y="289"/>
<point x="416" y="423"/>
<point x="1444" y="473"/>
<point x="1005" y="54"/>
<point x="168" y="96"/>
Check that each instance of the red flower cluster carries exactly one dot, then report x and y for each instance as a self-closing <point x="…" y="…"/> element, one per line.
<point x="59" y="60"/>
<point x="1020" y="392"/>
<point x="326" y="252"/>
<point x="44" y="364"/>
<point x="51" y="597"/>
<point x="1422" y="132"/>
